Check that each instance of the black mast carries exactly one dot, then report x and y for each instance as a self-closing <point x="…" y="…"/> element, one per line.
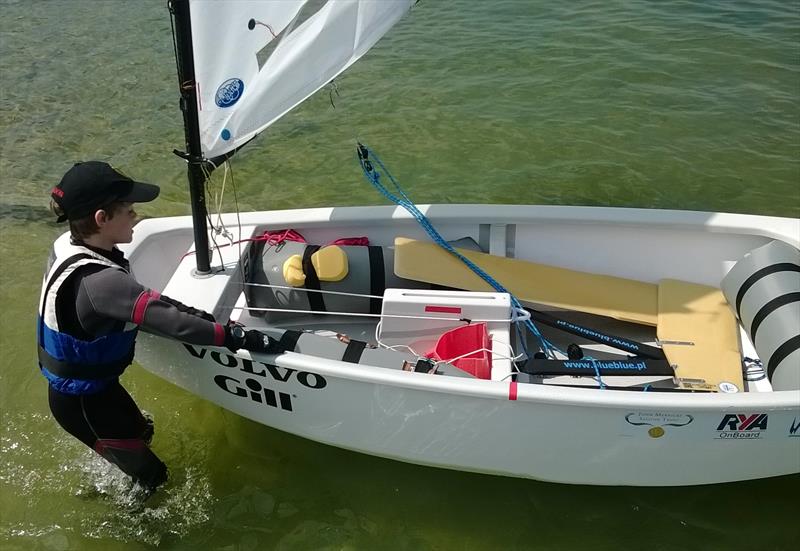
<point x="182" y="30"/>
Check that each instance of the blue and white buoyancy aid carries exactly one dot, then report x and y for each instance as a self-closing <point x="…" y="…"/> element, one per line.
<point x="72" y="365"/>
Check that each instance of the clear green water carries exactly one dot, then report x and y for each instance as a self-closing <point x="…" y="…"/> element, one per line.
<point x="690" y="105"/>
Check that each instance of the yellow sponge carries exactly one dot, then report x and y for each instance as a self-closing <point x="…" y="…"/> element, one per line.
<point x="330" y="263"/>
<point x="293" y="271"/>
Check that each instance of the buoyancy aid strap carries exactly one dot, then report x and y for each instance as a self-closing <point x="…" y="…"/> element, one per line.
<point x="377" y="278"/>
<point x="352" y="354"/>
<point x="68" y="370"/>
<point x="315" y="300"/>
<point x="57" y="273"/>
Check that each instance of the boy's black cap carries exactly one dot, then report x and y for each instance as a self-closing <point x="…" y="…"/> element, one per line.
<point x="91" y="185"/>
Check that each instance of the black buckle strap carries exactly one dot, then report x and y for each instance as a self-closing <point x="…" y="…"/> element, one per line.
<point x="377" y="278"/>
<point x="425" y="365"/>
<point x="352" y="354"/>
<point x="288" y="341"/>
<point x="315" y="300"/>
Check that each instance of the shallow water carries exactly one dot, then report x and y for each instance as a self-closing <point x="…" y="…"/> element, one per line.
<point x="689" y="105"/>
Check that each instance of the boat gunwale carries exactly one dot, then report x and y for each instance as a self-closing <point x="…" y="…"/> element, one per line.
<point x="540" y="394"/>
<point x="772" y="227"/>
<point x="312" y="218"/>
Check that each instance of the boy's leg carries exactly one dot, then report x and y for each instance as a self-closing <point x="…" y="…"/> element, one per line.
<point x="110" y="422"/>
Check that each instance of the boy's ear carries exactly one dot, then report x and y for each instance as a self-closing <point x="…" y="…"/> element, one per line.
<point x="100" y="217"/>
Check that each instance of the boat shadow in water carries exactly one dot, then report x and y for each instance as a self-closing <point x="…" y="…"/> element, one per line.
<point x="366" y="497"/>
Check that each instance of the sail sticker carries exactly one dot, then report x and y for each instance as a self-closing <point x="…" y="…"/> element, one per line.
<point x="225" y="134"/>
<point x="794" y="430"/>
<point x="657" y="421"/>
<point x="229" y="92"/>
<point x="742" y="426"/>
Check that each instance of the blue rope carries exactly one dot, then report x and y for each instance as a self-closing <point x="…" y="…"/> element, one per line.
<point x="372" y="175"/>
<point x="597" y="376"/>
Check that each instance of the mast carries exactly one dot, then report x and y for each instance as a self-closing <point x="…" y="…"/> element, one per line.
<point x="182" y="31"/>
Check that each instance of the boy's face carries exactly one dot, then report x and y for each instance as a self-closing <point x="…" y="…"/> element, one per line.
<point x="119" y="228"/>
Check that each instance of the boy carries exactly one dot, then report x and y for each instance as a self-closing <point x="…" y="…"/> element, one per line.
<point x="90" y="310"/>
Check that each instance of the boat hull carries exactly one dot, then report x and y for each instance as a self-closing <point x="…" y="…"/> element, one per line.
<point x="544" y="432"/>
<point x="557" y="435"/>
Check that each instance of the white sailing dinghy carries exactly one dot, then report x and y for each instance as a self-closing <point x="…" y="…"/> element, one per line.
<point x="568" y="344"/>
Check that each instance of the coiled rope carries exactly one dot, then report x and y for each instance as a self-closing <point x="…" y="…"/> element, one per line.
<point x="373" y="176"/>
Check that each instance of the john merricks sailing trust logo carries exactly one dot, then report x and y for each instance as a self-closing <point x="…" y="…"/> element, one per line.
<point x="742" y="426"/>
<point x="657" y="421"/>
<point x="229" y="92"/>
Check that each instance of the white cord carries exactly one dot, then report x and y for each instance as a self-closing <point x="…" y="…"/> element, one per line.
<point x="396" y="346"/>
<point x="517" y="314"/>
<point x="359" y="314"/>
<point x="511" y="350"/>
<point x="494" y="355"/>
<point x="218" y="197"/>
<point x="520" y="314"/>
<point x="312" y="290"/>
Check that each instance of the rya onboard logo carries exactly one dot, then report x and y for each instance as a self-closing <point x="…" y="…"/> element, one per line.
<point x="742" y="425"/>
<point x="229" y="92"/>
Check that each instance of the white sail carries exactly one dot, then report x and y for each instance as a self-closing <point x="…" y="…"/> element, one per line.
<point x="257" y="59"/>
